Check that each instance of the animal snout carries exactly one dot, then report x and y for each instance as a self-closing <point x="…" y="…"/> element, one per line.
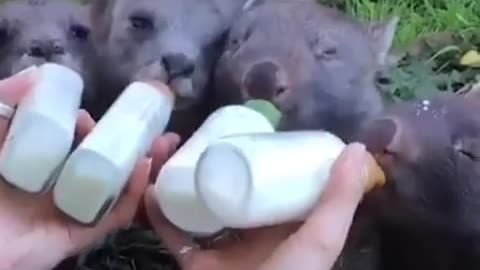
<point x="264" y="81"/>
<point x="45" y="49"/>
<point x="178" y="65"/>
<point x="379" y="135"/>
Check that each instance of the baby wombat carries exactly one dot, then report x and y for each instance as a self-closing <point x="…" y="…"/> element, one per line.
<point x="176" y="41"/>
<point x="315" y="63"/>
<point x="33" y="32"/>
<point x="427" y="213"/>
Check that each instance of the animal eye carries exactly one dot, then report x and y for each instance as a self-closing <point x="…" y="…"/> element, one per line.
<point x="241" y="37"/>
<point x="247" y="34"/>
<point x="141" y="22"/>
<point x="79" y="32"/>
<point x="467" y="154"/>
<point x="234" y="45"/>
<point x="330" y="52"/>
<point x="465" y="149"/>
<point x="326" y="54"/>
<point x="235" y="42"/>
<point x="382" y="78"/>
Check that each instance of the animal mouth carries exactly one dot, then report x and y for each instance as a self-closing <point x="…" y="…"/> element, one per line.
<point x="181" y="85"/>
<point x="184" y="89"/>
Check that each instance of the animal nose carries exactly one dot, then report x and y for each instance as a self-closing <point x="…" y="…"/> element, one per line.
<point x="379" y="135"/>
<point x="45" y="48"/>
<point x="263" y="81"/>
<point x="177" y="65"/>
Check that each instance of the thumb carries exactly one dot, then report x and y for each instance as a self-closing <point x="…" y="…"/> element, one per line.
<point x="12" y="89"/>
<point x="317" y="244"/>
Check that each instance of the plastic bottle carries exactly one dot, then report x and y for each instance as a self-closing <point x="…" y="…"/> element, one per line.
<point x="257" y="180"/>
<point x="97" y="171"/>
<point x="42" y="131"/>
<point x="175" y="184"/>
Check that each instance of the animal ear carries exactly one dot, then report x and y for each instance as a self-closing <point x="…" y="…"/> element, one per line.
<point x="469" y="146"/>
<point x="382" y="34"/>
<point x="101" y="17"/>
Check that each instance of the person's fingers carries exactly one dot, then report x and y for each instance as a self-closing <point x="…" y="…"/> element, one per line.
<point x="163" y="148"/>
<point x="249" y="252"/>
<point x="174" y="140"/>
<point x="126" y="207"/>
<point x="174" y="239"/>
<point x="12" y="90"/>
<point x="317" y="244"/>
<point x="120" y="216"/>
<point x="85" y="124"/>
<point x="269" y="232"/>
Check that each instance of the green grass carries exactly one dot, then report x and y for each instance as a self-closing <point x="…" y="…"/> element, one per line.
<point x="419" y="17"/>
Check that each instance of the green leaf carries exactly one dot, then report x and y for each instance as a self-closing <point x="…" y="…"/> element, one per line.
<point x="471" y="59"/>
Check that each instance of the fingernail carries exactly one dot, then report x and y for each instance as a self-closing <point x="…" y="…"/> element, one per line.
<point x="177" y="141"/>
<point x="149" y="162"/>
<point x="359" y="158"/>
<point x="82" y="111"/>
<point x="371" y="173"/>
<point x="356" y="151"/>
<point x="26" y="71"/>
<point x="375" y="176"/>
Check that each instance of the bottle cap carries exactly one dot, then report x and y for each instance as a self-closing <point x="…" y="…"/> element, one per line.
<point x="265" y="108"/>
<point x="223" y="190"/>
<point x="163" y="88"/>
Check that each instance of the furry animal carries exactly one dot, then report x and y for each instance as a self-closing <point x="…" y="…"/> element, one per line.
<point x="175" y="41"/>
<point x="316" y="64"/>
<point x="33" y="32"/>
<point x="425" y="217"/>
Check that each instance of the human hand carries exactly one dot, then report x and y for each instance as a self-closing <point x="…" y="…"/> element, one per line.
<point x="28" y="223"/>
<point x="315" y="244"/>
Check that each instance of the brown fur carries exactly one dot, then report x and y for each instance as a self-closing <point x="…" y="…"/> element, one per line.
<point x="176" y="41"/>
<point x="33" y="32"/>
<point x="315" y="63"/>
<point x="426" y="215"/>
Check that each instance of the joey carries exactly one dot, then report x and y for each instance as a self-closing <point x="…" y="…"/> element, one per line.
<point x="175" y="41"/>
<point x="425" y="217"/>
<point x="314" y="63"/>
<point x="33" y="32"/>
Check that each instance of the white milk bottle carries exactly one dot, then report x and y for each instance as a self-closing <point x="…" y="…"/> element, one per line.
<point x="42" y="131"/>
<point x="97" y="171"/>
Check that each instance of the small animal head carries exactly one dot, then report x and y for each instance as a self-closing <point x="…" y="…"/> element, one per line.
<point x="176" y="41"/>
<point x="315" y="63"/>
<point x="430" y="151"/>
<point x="33" y="32"/>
